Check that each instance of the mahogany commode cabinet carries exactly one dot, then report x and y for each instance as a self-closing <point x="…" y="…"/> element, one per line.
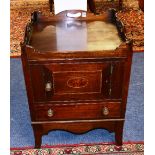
<point x="77" y="73"/>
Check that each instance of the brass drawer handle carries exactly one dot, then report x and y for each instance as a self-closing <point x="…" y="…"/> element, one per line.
<point x="50" y="113"/>
<point x="48" y="86"/>
<point x="105" y="111"/>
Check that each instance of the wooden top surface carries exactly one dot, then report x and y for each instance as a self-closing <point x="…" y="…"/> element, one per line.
<point x="60" y="37"/>
<point x="62" y="34"/>
<point x="75" y="36"/>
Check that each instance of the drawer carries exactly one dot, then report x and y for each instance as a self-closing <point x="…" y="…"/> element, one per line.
<point x="72" y="82"/>
<point x="78" y="111"/>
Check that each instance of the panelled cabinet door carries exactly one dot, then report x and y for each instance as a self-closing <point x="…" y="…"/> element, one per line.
<point x="82" y="82"/>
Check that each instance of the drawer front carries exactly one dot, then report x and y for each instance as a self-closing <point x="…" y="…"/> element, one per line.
<point x="72" y="82"/>
<point x="78" y="111"/>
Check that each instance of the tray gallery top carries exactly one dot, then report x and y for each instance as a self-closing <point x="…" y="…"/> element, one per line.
<point x="62" y="34"/>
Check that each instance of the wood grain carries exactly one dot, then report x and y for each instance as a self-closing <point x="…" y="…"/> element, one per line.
<point x="71" y="84"/>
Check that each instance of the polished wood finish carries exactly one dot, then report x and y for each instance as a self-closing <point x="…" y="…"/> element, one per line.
<point x="74" y="127"/>
<point x="141" y="4"/>
<point x="76" y="111"/>
<point x="51" y="2"/>
<point x="76" y="88"/>
<point x="120" y="4"/>
<point x="91" y="5"/>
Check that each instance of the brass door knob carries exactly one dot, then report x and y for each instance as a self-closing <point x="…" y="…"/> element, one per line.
<point x="48" y="86"/>
<point x="105" y="111"/>
<point x="50" y="113"/>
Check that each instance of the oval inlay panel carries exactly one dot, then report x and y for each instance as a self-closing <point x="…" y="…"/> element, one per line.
<point x="77" y="82"/>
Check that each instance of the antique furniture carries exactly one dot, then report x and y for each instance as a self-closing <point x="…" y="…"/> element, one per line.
<point x="141" y="4"/>
<point x="77" y="73"/>
<point x="91" y="5"/>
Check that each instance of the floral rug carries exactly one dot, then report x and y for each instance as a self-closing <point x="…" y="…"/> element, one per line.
<point x="133" y="20"/>
<point x="83" y="149"/>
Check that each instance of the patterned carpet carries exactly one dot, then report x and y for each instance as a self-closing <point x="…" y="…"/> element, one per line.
<point x="83" y="149"/>
<point x="133" y="20"/>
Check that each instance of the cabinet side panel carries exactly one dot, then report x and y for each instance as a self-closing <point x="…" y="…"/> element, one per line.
<point x="126" y="80"/>
<point x="27" y="79"/>
<point x="117" y="80"/>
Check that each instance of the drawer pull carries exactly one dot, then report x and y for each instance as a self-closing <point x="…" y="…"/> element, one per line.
<point x="48" y="86"/>
<point x="50" y="113"/>
<point x="105" y="111"/>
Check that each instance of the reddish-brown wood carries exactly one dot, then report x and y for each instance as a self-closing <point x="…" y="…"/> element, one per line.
<point x="141" y="4"/>
<point x="51" y="5"/>
<point x="81" y="88"/>
<point x="119" y="132"/>
<point x="75" y="127"/>
<point x="76" y="111"/>
<point x="91" y="5"/>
